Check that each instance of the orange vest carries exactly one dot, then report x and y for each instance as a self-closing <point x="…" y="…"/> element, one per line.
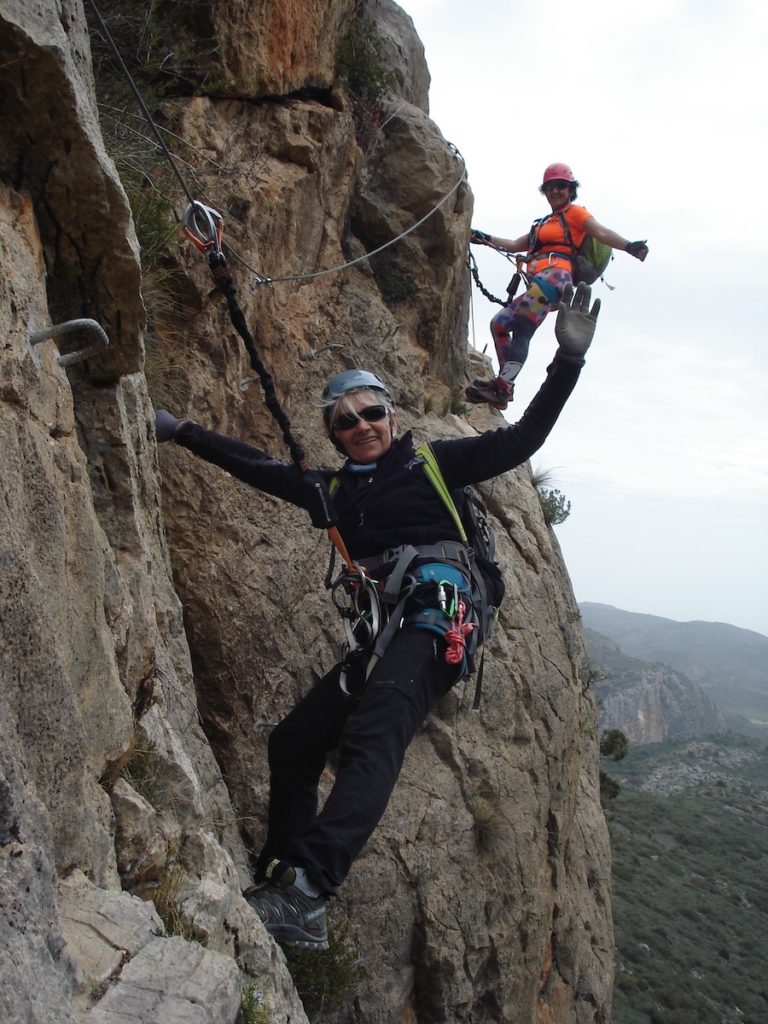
<point x="548" y="239"/>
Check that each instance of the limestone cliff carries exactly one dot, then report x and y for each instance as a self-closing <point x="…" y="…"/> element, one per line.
<point x="649" y="702"/>
<point x="157" y="617"/>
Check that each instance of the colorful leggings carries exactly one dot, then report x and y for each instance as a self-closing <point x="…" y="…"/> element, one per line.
<point x="513" y="326"/>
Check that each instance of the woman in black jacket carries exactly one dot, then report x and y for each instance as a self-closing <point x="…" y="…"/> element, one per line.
<point x="370" y="708"/>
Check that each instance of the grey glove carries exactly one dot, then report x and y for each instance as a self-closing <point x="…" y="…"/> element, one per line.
<point x="166" y="425"/>
<point x="638" y="249"/>
<point x="575" y="324"/>
<point x="480" y="237"/>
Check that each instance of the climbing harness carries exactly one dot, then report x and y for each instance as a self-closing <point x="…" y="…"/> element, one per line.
<point x="588" y="260"/>
<point x="453" y="588"/>
<point x="425" y="587"/>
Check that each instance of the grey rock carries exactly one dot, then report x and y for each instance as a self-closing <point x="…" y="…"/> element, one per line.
<point x="142" y="850"/>
<point x="402" y="51"/>
<point x="103" y="930"/>
<point x="175" y="982"/>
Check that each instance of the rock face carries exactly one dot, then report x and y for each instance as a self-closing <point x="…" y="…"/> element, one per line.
<point x="151" y="634"/>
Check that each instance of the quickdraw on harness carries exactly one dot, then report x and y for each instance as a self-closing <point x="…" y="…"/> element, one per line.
<point x="204" y="227"/>
<point x="356" y="597"/>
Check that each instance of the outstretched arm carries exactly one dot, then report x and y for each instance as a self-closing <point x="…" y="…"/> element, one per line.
<point x="507" y="244"/>
<point x="616" y="241"/>
<point x="473" y="459"/>
<point x="253" y="466"/>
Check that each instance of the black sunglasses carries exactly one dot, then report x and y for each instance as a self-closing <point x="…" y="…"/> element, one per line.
<point x="371" y="414"/>
<point x="555" y="186"/>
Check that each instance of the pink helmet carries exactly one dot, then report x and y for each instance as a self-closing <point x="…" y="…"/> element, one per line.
<point x="558" y="172"/>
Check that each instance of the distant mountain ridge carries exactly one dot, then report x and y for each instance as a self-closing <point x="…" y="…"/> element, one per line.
<point x="649" y="702"/>
<point x="729" y="663"/>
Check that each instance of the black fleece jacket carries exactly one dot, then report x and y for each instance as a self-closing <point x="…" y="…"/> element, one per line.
<point x="394" y="503"/>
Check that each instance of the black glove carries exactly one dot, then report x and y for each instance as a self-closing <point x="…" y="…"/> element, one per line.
<point x="479" y="236"/>
<point x="319" y="503"/>
<point x="637" y="249"/>
<point x="575" y="324"/>
<point x="166" y="425"/>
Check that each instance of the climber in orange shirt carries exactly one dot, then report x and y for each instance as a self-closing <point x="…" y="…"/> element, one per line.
<point x="550" y="249"/>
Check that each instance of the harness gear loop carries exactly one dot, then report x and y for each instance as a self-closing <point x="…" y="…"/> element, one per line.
<point x="356" y="596"/>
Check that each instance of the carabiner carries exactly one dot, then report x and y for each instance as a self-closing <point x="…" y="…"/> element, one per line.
<point x="204" y="227"/>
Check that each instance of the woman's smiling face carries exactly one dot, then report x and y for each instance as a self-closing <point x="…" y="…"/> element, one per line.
<point x="558" y="194"/>
<point x="364" y="441"/>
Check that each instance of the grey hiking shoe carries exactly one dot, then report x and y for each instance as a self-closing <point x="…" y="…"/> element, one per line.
<point x="288" y="914"/>
<point x="496" y="392"/>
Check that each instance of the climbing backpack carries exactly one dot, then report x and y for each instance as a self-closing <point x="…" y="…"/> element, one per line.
<point x="588" y="260"/>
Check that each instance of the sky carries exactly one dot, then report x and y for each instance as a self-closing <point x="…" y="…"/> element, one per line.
<point x="661" y="109"/>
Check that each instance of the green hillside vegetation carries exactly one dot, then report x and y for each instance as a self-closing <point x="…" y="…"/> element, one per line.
<point x="690" y="843"/>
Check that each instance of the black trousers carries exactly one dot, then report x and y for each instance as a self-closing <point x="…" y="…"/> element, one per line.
<point x="371" y="731"/>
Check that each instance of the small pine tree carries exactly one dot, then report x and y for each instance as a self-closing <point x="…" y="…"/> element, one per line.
<point x="614" y="744"/>
<point x="555" y="506"/>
